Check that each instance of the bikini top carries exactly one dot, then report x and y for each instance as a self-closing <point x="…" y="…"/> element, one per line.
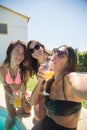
<point x="9" y="79"/>
<point x="63" y="107"/>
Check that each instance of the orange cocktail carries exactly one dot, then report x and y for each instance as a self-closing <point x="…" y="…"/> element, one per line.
<point x="49" y="74"/>
<point x="17" y="102"/>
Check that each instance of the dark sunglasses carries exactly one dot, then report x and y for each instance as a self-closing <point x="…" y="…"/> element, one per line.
<point x="61" y="54"/>
<point x="37" y="47"/>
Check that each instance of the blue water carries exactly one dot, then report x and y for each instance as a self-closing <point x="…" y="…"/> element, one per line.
<point x="2" y="124"/>
<point x="17" y="126"/>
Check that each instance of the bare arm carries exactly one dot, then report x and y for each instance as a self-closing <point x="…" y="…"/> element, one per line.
<point x="2" y="79"/>
<point x="35" y="96"/>
<point x="79" y="84"/>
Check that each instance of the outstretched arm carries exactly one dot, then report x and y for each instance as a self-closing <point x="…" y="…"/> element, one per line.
<point x="79" y="84"/>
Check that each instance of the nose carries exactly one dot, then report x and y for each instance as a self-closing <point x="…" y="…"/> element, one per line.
<point x="55" y="56"/>
<point x="52" y="57"/>
<point x="20" y="55"/>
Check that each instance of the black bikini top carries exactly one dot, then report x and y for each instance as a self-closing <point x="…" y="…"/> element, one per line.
<point x="61" y="107"/>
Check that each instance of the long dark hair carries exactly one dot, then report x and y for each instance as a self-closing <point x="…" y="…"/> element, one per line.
<point x="34" y="65"/>
<point x="72" y="67"/>
<point x="72" y="58"/>
<point x="10" y="48"/>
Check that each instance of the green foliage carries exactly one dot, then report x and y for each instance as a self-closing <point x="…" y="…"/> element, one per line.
<point x="32" y="83"/>
<point x="82" y="61"/>
<point x="84" y="103"/>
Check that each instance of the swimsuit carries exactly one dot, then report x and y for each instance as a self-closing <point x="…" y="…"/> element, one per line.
<point x="63" y="107"/>
<point x="9" y="79"/>
<point x="49" y="124"/>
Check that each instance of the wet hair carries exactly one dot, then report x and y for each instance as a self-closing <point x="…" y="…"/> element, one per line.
<point x="72" y="58"/>
<point x="32" y="61"/>
<point x="10" y="48"/>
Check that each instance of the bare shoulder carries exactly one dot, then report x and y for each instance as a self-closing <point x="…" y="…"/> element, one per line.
<point x="66" y="78"/>
<point x="72" y="76"/>
<point x="3" y="71"/>
<point x="68" y="81"/>
<point x="77" y="80"/>
<point x="3" y="68"/>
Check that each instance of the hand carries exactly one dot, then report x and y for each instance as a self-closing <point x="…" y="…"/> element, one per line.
<point x="12" y="98"/>
<point x="41" y="73"/>
<point x="27" y="97"/>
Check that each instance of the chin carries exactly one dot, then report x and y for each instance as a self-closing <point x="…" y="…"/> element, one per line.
<point x="18" y="63"/>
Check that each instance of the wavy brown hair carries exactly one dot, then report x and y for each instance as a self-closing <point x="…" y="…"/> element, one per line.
<point x="23" y="66"/>
<point x="72" y="58"/>
<point x="34" y="65"/>
<point x="72" y="67"/>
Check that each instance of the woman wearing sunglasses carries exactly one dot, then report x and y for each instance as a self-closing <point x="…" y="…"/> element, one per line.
<point x="14" y="75"/>
<point x="64" y="101"/>
<point x="37" y="55"/>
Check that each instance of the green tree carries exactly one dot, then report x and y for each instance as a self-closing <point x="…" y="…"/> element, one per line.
<point x="82" y="61"/>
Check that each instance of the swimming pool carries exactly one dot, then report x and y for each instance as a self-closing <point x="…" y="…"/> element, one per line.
<point x="3" y="115"/>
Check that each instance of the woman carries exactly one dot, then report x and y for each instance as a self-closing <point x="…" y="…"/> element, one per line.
<point x="64" y="101"/>
<point x="37" y="55"/>
<point x="14" y="75"/>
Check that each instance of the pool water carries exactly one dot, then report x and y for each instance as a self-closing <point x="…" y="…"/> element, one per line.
<point x="17" y="126"/>
<point x="2" y="124"/>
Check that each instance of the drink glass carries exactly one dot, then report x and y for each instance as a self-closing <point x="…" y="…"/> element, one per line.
<point x="49" y="74"/>
<point x="17" y="95"/>
<point x="49" y="71"/>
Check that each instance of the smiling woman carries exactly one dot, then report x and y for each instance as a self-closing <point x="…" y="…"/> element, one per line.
<point x="65" y="91"/>
<point x="37" y="54"/>
<point x="14" y="76"/>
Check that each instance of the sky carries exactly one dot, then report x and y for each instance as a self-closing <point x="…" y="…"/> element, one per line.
<point x="54" y="22"/>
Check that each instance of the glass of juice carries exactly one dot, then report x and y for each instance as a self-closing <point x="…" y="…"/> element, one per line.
<point x="49" y="70"/>
<point x="49" y="73"/>
<point x="17" y="102"/>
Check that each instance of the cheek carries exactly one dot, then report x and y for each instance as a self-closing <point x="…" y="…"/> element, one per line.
<point x="22" y="58"/>
<point x="34" y="56"/>
<point x="13" y="58"/>
<point x="59" y="63"/>
<point x="64" y="62"/>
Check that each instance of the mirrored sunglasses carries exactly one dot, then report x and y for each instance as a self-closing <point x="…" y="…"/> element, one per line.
<point x="61" y="54"/>
<point x="37" y="47"/>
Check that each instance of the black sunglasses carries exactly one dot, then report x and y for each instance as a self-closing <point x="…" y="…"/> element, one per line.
<point x="37" y="47"/>
<point x="61" y="54"/>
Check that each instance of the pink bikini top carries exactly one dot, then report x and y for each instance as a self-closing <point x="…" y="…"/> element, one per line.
<point x="9" y="79"/>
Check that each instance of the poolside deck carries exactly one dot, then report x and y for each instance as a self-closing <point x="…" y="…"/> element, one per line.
<point x="28" y="121"/>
